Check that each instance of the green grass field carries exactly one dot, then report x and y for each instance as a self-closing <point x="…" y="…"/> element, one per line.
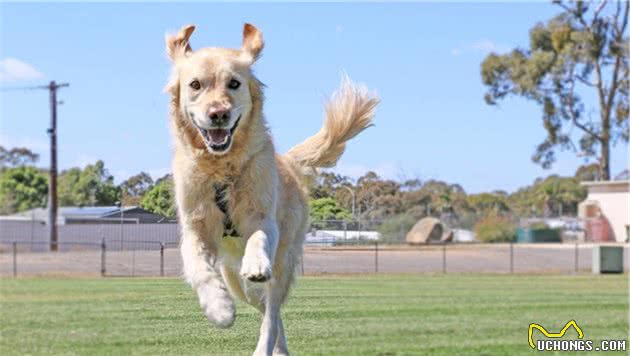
<point x="326" y="315"/>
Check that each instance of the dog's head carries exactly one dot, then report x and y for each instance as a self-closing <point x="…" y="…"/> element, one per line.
<point x="214" y="87"/>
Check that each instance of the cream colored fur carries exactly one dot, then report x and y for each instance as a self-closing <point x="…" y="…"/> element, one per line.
<point x="267" y="193"/>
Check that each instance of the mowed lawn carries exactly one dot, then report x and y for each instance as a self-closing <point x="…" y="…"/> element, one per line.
<point x="326" y="315"/>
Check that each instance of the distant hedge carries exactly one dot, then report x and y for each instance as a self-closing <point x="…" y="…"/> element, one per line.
<point x="495" y="228"/>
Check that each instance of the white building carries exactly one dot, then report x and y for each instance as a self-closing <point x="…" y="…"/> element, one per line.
<point x="329" y="236"/>
<point x="611" y="200"/>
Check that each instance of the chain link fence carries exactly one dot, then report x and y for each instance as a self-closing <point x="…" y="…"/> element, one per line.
<point x="341" y="258"/>
<point x="330" y="247"/>
<point x="33" y="235"/>
<point x="450" y="258"/>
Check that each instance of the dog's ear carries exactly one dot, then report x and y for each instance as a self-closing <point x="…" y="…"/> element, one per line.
<point x="252" y="42"/>
<point x="177" y="45"/>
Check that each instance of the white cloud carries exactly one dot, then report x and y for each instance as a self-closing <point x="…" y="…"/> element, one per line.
<point x="484" y="46"/>
<point x="488" y="46"/>
<point x="13" y="70"/>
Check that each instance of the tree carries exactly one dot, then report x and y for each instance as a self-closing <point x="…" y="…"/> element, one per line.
<point x="377" y="198"/>
<point x="160" y="199"/>
<point x="485" y="203"/>
<point x="90" y="186"/>
<point x="327" y="209"/>
<point x="551" y="195"/>
<point x="325" y="185"/>
<point x="134" y="188"/>
<point x="435" y="198"/>
<point x="16" y="157"/>
<point x="567" y="194"/>
<point x="22" y="188"/>
<point x="578" y="53"/>
<point x="588" y="172"/>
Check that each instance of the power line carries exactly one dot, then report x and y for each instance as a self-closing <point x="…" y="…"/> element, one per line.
<point x="25" y="88"/>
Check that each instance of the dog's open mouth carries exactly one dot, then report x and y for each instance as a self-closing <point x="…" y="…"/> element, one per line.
<point x="218" y="140"/>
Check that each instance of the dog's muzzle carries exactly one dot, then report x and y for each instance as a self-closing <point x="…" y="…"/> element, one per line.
<point x="218" y="139"/>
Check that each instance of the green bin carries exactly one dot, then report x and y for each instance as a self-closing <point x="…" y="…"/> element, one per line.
<point x="527" y="235"/>
<point x="607" y="259"/>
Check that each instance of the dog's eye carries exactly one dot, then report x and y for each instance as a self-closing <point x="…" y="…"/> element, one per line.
<point x="234" y="84"/>
<point x="195" y="85"/>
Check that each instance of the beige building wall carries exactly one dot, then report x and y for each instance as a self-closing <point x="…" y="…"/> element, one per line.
<point x="613" y="199"/>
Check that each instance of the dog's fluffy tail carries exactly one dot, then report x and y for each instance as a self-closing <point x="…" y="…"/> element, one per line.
<point x="348" y="112"/>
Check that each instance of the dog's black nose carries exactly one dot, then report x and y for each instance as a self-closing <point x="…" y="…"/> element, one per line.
<point x="217" y="115"/>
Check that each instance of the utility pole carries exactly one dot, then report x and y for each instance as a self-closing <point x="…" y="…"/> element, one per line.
<point x="52" y="187"/>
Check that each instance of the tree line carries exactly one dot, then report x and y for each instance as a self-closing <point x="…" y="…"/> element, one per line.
<point x="24" y="186"/>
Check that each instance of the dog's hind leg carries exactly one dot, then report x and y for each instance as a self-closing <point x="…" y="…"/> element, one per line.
<point x="200" y="271"/>
<point x="285" y="267"/>
<point x="272" y="340"/>
<point x="280" y="349"/>
<point x="271" y="317"/>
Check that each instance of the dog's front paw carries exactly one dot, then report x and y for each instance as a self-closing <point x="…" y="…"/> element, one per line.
<point x="256" y="268"/>
<point x="217" y="304"/>
<point x="280" y="352"/>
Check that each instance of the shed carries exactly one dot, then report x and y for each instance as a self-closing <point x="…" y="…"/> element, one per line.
<point x="609" y="200"/>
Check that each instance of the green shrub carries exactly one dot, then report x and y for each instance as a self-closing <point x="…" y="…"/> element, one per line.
<point x="538" y="226"/>
<point x="324" y="209"/>
<point x="160" y="199"/>
<point x="494" y="228"/>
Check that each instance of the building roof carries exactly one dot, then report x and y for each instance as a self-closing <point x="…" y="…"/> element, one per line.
<point x="75" y="212"/>
<point x="606" y="183"/>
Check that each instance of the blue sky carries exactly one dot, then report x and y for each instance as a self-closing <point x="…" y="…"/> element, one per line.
<point x="423" y="60"/>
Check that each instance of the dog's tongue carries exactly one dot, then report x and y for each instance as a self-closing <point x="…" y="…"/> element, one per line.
<point x="218" y="136"/>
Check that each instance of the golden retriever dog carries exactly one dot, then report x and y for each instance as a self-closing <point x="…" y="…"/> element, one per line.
<point x="242" y="207"/>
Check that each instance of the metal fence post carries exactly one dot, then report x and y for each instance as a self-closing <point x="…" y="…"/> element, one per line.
<point x="103" y="249"/>
<point x="302" y="263"/>
<point x="14" y="259"/>
<point x="161" y="259"/>
<point x="32" y="229"/>
<point x="376" y="256"/>
<point x="511" y="257"/>
<point x="444" y="258"/>
<point x="577" y="254"/>
<point x="133" y="262"/>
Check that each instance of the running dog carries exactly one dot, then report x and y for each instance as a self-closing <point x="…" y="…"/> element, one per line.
<point x="242" y="207"/>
